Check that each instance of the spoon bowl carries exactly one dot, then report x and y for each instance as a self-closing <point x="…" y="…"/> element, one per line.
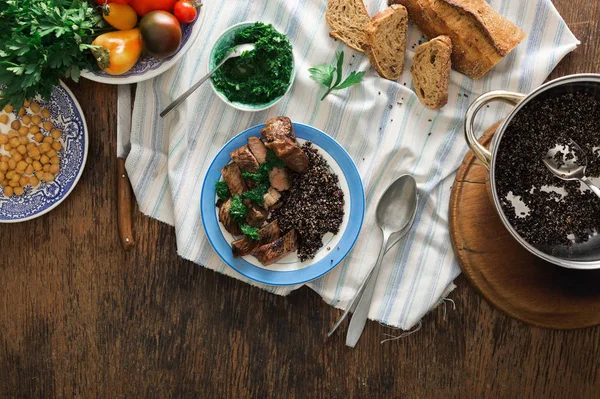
<point x="398" y="205"/>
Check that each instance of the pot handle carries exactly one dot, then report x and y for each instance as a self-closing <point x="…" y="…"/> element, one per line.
<point x="482" y="153"/>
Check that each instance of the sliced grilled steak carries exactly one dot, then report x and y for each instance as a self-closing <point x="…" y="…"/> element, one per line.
<point x="256" y="216"/>
<point x="280" y="179"/>
<point x="228" y="222"/>
<point x="271" y="197"/>
<point x="233" y="177"/>
<point x="280" y="138"/>
<point x="245" y="246"/>
<point x="272" y="252"/>
<point x="258" y="149"/>
<point x="244" y="158"/>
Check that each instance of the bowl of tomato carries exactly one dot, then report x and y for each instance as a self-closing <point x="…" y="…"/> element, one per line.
<point x="154" y="33"/>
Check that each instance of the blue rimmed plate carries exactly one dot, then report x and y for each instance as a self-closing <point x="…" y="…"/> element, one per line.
<point x="66" y="115"/>
<point x="289" y="270"/>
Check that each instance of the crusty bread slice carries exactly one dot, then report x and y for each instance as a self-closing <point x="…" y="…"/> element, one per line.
<point x="386" y="41"/>
<point x="431" y="71"/>
<point x="347" y="19"/>
<point x="481" y="37"/>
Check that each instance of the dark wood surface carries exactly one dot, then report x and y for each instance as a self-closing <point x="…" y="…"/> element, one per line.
<point x="506" y="274"/>
<point x="81" y="317"/>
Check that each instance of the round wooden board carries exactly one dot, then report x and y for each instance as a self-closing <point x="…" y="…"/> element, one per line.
<point x="512" y="279"/>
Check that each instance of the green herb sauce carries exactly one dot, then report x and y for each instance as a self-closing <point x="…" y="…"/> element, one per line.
<point x="259" y="76"/>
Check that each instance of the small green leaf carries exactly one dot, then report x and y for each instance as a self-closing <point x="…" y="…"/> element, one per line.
<point x="322" y="73"/>
<point x="340" y="63"/>
<point x="250" y="232"/>
<point x="351" y="80"/>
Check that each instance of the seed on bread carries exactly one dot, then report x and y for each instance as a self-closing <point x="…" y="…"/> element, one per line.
<point x="347" y="19"/>
<point x="431" y="71"/>
<point x="386" y="41"/>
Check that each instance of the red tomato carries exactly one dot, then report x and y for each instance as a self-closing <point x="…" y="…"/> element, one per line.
<point x="143" y="7"/>
<point x="185" y="11"/>
<point x="101" y="2"/>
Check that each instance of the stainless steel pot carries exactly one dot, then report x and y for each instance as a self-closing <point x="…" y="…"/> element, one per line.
<point x="584" y="255"/>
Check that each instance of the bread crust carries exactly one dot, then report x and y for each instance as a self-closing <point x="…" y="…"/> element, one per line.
<point x="444" y="53"/>
<point x="354" y="32"/>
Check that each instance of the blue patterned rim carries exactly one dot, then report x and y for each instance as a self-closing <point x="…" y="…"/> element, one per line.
<point x="66" y="115"/>
<point x="293" y="277"/>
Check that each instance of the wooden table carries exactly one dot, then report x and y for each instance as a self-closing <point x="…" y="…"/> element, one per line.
<point x="79" y="317"/>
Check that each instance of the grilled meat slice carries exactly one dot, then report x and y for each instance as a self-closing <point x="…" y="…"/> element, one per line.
<point x="244" y="158"/>
<point x="278" y="128"/>
<point x="291" y="154"/>
<point x="271" y="197"/>
<point x="280" y="179"/>
<point x="245" y="246"/>
<point x="280" y="138"/>
<point x="233" y="177"/>
<point x="258" y="149"/>
<point x="273" y="251"/>
<point x="228" y="222"/>
<point x="256" y="216"/>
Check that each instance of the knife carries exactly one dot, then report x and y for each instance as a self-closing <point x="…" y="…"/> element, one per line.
<point x="123" y="184"/>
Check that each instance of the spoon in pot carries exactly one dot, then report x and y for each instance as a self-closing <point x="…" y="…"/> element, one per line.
<point x="568" y="162"/>
<point x="233" y="53"/>
<point x="395" y="215"/>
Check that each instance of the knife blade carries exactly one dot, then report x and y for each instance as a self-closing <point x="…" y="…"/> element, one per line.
<point x="123" y="184"/>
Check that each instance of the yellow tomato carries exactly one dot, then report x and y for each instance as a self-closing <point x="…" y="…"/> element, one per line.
<point x="119" y="16"/>
<point x="118" y="51"/>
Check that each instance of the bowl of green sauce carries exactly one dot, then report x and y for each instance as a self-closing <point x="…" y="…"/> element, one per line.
<point x="257" y="79"/>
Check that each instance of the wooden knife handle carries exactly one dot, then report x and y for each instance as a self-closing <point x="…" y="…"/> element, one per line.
<point x="124" y="206"/>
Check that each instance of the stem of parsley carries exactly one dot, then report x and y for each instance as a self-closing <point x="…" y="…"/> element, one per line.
<point x="325" y="73"/>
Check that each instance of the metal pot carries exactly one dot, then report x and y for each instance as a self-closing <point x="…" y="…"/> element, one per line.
<point x="584" y="255"/>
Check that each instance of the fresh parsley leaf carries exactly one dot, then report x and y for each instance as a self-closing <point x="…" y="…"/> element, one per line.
<point x="238" y="210"/>
<point x="255" y="177"/>
<point x="222" y="190"/>
<point x="324" y="74"/>
<point x="256" y="195"/>
<point x="250" y="232"/>
<point x="272" y="161"/>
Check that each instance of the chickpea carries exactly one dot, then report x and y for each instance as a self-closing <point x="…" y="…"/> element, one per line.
<point x="12" y="164"/>
<point x="14" y="142"/>
<point x="37" y="166"/>
<point x="46" y="167"/>
<point x="16" y="124"/>
<point x="24" y="131"/>
<point x="19" y="191"/>
<point x="48" y="139"/>
<point x="54" y="169"/>
<point x="21" y="112"/>
<point x="8" y="108"/>
<point x="8" y="191"/>
<point x="3" y="138"/>
<point x="47" y="126"/>
<point x="36" y="119"/>
<point x="8" y="175"/>
<point x="30" y="146"/>
<point x="38" y="137"/>
<point x="48" y="176"/>
<point x="4" y="119"/>
<point x="44" y="159"/>
<point x="23" y="181"/>
<point x="4" y="182"/>
<point x="22" y="149"/>
<point x="55" y="160"/>
<point x="56" y="134"/>
<point x="12" y="133"/>
<point x="23" y="140"/>
<point x="26" y="119"/>
<point x="35" y="107"/>
<point x="34" y="130"/>
<point x="34" y="151"/>
<point x="4" y="158"/>
<point x="13" y="184"/>
<point x="56" y="146"/>
<point x="3" y="166"/>
<point x="51" y="154"/>
<point x="46" y="113"/>
<point x="15" y="178"/>
<point x="44" y="147"/>
<point x="17" y="157"/>
<point x="33" y="181"/>
<point x="1" y="176"/>
<point x="7" y="147"/>
<point x="28" y="160"/>
<point x="29" y="170"/>
<point x="21" y="165"/>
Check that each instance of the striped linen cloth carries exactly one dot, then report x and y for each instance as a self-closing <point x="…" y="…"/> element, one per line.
<point x="380" y="123"/>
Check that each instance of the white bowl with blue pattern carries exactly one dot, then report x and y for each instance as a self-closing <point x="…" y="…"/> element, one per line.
<point x="66" y="115"/>
<point x="289" y="270"/>
<point x="147" y="66"/>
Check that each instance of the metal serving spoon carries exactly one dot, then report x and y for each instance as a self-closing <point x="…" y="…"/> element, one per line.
<point x="234" y="52"/>
<point x="572" y="166"/>
<point x="395" y="214"/>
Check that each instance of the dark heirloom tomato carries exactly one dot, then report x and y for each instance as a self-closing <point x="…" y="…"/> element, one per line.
<point x="161" y="34"/>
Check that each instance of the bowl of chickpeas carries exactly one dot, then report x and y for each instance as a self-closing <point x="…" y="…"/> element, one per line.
<point x="43" y="150"/>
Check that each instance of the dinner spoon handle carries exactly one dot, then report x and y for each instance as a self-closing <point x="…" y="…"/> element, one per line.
<point x="591" y="185"/>
<point x="192" y="89"/>
<point x="359" y="318"/>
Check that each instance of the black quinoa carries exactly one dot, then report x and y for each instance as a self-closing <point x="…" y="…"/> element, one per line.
<point x="314" y="205"/>
<point x="539" y="126"/>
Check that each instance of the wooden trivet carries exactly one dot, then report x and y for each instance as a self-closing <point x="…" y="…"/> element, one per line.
<point x="513" y="280"/>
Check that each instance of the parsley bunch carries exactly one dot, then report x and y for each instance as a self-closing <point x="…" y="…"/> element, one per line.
<point x="42" y="41"/>
<point x="325" y="73"/>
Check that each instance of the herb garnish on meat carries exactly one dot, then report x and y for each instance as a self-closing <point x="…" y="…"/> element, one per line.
<point x="222" y="190"/>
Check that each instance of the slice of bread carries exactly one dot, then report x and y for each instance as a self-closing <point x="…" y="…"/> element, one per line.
<point x="347" y="19"/>
<point x="386" y="41"/>
<point x="431" y="71"/>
